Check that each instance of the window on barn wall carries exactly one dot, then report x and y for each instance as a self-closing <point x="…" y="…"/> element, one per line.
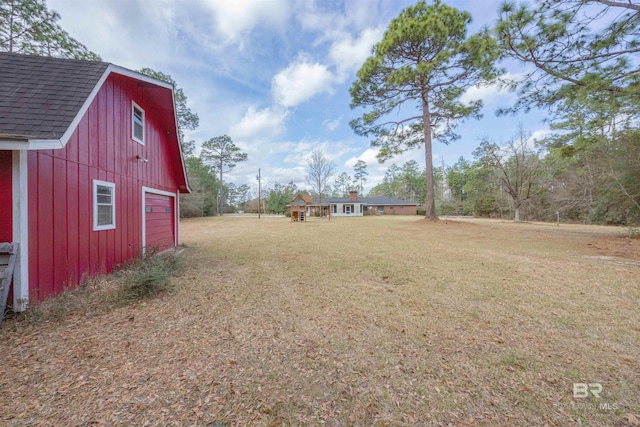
<point x="137" y="123"/>
<point x="104" y="205"/>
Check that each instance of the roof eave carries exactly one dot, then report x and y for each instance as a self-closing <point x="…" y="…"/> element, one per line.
<point x="31" y="144"/>
<point x="187" y="188"/>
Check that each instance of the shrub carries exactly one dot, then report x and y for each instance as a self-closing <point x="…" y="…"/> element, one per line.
<point x="446" y="208"/>
<point x="149" y="276"/>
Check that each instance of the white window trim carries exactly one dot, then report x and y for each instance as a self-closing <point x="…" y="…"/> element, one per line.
<point x="133" y="123"/>
<point x="97" y="227"/>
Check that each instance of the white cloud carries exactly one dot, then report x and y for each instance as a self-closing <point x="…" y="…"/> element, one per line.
<point x="368" y="156"/>
<point x="300" y="81"/>
<point x="490" y="93"/>
<point x="332" y="124"/>
<point x="300" y="151"/>
<point x="349" y="16"/>
<point x="116" y="36"/>
<point x="260" y="124"/>
<point x="232" y="19"/>
<point x="348" y="54"/>
<point x="540" y="134"/>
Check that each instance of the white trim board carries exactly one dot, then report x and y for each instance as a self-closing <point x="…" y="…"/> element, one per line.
<point x="20" y="219"/>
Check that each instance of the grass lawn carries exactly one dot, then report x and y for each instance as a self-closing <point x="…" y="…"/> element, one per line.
<point x="356" y="321"/>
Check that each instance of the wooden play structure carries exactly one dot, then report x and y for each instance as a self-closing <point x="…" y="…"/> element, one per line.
<point x="297" y="216"/>
<point x="299" y="207"/>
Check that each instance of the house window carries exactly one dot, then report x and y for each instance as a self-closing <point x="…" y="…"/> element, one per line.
<point x="137" y="123"/>
<point x="104" y="205"/>
<point x="335" y="208"/>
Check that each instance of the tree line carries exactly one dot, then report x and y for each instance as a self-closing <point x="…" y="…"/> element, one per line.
<point x="583" y="69"/>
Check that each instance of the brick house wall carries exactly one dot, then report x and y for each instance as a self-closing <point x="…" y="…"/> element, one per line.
<point x="391" y="210"/>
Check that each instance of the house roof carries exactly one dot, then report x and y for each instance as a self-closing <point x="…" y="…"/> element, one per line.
<point x="343" y="200"/>
<point x="40" y="96"/>
<point x="387" y="201"/>
<point x="374" y="201"/>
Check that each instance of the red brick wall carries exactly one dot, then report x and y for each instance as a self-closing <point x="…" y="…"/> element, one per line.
<point x="393" y="210"/>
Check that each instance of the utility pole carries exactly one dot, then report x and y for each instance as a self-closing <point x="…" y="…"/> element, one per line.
<point x="259" y="194"/>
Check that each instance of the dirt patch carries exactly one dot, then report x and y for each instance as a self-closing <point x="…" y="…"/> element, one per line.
<point x="442" y="221"/>
<point x="618" y="246"/>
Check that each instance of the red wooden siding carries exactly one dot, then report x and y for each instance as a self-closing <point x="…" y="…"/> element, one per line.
<point x="6" y="204"/>
<point x="63" y="248"/>
<point x="159" y="222"/>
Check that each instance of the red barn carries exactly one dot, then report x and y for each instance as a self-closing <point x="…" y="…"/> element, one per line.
<point x="90" y="169"/>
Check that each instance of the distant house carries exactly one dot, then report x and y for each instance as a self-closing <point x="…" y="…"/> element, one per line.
<point x="303" y="206"/>
<point x="90" y="169"/>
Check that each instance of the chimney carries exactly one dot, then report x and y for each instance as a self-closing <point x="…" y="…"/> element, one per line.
<point x="353" y="196"/>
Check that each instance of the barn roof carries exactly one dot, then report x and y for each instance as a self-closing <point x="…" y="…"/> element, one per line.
<point x="40" y="96"/>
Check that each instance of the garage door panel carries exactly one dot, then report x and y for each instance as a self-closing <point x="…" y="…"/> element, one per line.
<point x="159" y="221"/>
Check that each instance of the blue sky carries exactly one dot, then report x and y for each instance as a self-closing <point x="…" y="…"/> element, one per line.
<point x="275" y="74"/>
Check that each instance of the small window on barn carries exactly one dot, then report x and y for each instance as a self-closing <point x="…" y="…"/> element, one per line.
<point x="104" y="205"/>
<point x="137" y="123"/>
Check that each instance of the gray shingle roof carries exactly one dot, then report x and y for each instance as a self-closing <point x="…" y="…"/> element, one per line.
<point x="40" y="96"/>
<point x="373" y="201"/>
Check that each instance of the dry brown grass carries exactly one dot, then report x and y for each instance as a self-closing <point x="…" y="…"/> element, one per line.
<point x="358" y="321"/>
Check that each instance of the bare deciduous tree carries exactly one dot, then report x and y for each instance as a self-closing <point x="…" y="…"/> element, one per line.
<point x="517" y="165"/>
<point x="319" y="170"/>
